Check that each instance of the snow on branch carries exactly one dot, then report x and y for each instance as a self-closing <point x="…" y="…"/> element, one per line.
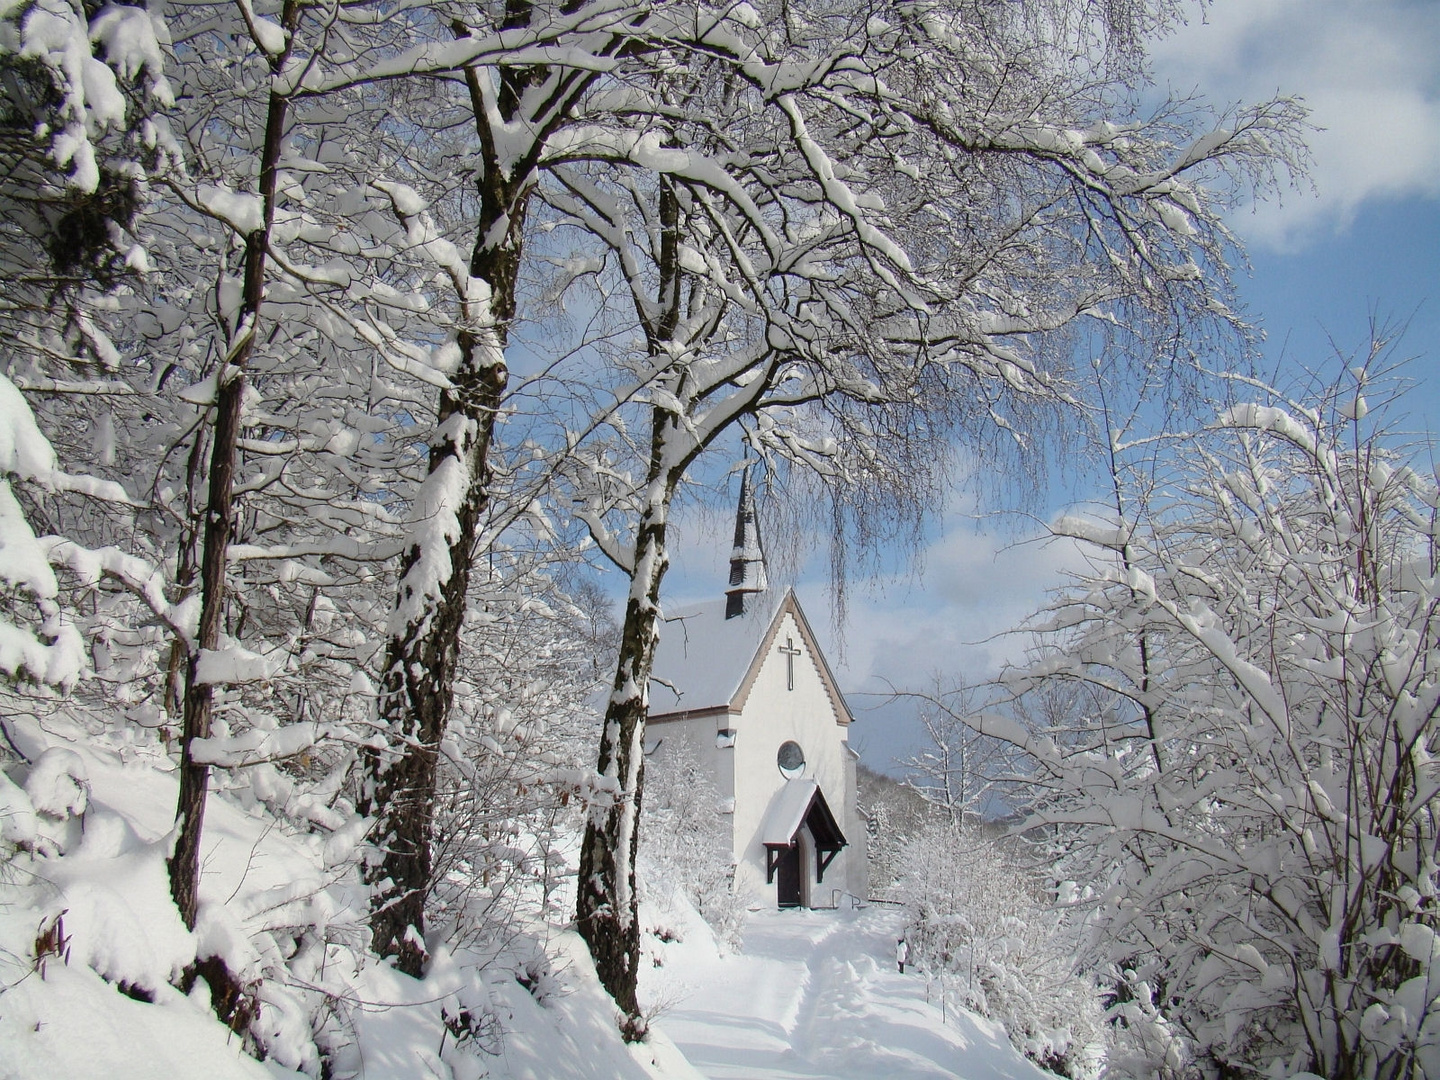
<point x="136" y="575"/>
<point x="609" y="543"/>
<point x="337" y="546"/>
<point x="260" y="746"/>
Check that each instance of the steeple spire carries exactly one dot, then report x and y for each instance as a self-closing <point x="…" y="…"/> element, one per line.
<point x="747" y="560"/>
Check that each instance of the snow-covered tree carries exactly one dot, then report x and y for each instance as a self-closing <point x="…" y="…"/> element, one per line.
<point x="252" y="215"/>
<point x="516" y="107"/>
<point x="1249" y="805"/>
<point x="686" y="844"/>
<point x="980" y="925"/>
<point x="81" y="90"/>
<point x="77" y="142"/>
<point x="249" y="400"/>
<point x="959" y="771"/>
<point x="890" y="242"/>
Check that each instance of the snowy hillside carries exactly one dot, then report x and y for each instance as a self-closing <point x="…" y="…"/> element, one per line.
<point x="96" y="890"/>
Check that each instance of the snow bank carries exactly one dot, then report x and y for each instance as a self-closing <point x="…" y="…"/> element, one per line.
<point x="58" y="784"/>
<point x="71" y="1023"/>
<point x="17" y="816"/>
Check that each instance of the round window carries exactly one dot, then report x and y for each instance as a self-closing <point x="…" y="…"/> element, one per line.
<point x="791" y="759"/>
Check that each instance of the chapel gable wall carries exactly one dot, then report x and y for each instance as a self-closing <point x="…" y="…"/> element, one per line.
<point x="773" y="714"/>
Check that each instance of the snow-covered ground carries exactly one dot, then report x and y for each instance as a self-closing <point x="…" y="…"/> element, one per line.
<point x="812" y="994"/>
<point x="816" y="995"/>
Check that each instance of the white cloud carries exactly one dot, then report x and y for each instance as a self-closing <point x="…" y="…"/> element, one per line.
<point x="1369" y="70"/>
<point x="951" y="625"/>
<point x="976" y="587"/>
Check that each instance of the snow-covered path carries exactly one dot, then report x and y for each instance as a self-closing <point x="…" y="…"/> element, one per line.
<point x="816" y="995"/>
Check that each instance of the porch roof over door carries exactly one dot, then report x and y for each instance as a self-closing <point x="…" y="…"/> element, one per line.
<point x="800" y="802"/>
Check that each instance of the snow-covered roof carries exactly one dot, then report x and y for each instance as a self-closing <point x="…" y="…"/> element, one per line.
<point x="703" y="657"/>
<point x="705" y="662"/>
<point x="787" y="811"/>
<point x="800" y="802"/>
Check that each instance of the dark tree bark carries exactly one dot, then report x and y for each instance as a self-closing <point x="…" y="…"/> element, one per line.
<point x="184" y="863"/>
<point x="606" y="904"/>
<point x="606" y="907"/>
<point x="417" y="685"/>
<point x="417" y="688"/>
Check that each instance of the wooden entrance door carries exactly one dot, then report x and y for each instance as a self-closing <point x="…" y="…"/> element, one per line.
<point x="787" y="877"/>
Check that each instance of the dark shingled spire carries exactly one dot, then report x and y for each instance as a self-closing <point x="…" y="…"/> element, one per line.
<point x="747" y="560"/>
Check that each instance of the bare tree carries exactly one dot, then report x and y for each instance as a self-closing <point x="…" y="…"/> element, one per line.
<point x="959" y="771"/>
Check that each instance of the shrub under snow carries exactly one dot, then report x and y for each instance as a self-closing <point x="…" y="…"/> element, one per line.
<point x="977" y="926"/>
<point x="685" y="843"/>
<point x="1251" y="795"/>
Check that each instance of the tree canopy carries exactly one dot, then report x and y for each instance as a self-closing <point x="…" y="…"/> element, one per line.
<point x="348" y="311"/>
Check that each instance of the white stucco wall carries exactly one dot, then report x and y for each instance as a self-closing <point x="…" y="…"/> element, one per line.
<point x="774" y="714"/>
<point x="857" y="855"/>
<point x="697" y="734"/>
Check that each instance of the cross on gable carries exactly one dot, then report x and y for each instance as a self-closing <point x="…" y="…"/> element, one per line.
<point x="790" y="653"/>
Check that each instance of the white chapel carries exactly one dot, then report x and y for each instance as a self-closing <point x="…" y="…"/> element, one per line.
<point x="741" y="681"/>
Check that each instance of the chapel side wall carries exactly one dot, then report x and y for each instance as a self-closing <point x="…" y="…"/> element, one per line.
<point x="857" y="853"/>
<point x="774" y="714"/>
<point x="697" y="734"/>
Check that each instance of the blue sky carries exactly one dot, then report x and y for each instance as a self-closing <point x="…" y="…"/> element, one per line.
<point x="1385" y="261"/>
<point x="1364" y="241"/>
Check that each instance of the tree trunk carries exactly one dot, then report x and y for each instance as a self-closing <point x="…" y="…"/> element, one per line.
<point x="421" y="655"/>
<point x="417" y="685"/>
<point x="606" y="905"/>
<point x="607" y="910"/>
<point x="200" y="697"/>
<point x="184" y="863"/>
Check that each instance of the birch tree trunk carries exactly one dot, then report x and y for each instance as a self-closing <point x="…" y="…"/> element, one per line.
<point x="606" y="906"/>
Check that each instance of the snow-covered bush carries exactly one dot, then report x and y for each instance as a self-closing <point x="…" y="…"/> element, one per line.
<point x="978" y="927"/>
<point x="519" y="733"/>
<point x="38" y="642"/>
<point x="685" y="842"/>
<point x="81" y="83"/>
<point x="1252" y="801"/>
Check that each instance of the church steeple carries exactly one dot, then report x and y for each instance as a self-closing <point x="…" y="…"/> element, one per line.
<point x="747" y="560"/>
